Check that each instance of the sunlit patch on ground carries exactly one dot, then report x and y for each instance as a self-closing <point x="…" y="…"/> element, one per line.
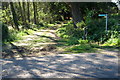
<point x="108" y="52"/>
<point x="31" y="45"/>
<point x="46" y="42"/>
<point x="87" y="65"/>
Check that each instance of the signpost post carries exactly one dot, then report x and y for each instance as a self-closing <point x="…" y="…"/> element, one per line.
<point x="106" y="16"/>
<point x="106" y="19"/>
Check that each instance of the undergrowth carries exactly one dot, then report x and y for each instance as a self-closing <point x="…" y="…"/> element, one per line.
<point x="10" y="35"/>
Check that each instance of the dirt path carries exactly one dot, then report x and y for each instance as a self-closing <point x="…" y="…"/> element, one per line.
<point x="40" y="43"/>
<point x="87" y="65"/>
<point x="27" y="60"/>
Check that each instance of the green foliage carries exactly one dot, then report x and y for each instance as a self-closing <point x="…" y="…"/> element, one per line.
<point x="44" y="15"/>
<point x="81" y="25"/>
<point x="73" y="35"/>
<point x="9" y="34"/>
<point x="5" y="16"/>
<point x="42" y="40"/>
<point x="68" y="31"/>
<point x="5" y="32"/>
<point x="82" y="48"/>
<point x="94" y="45"/>
<point x="29" y="31"/>
<point x="72" y="41"/>
<point x="95" y="31"/>
<point x="83" y="41"/>
<point x="59" y="11"/>
<point x="96" y="27"/>
<point x="92" y="28"/>
<point x="112" y="42"/>
<point x="61" y="31"/>
<point x="14" y="35"/>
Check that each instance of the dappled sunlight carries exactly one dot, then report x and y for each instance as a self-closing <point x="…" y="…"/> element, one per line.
<point x="46" y="33"/>
<point x="70" y="65"/>
<point x="104" y="51"/>
<point x="60" y="40"/>
<point x="44" y="43"/>
<point x="22" y="44"/>
<point x="28" y="39"/>
<point x="36" y="44"/>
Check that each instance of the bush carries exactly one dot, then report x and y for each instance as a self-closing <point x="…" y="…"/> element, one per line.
<point x="9" y="35"/>
<point x="29" y="31"/>
<point x="73" y="35"/>
<point x="112" y="42"/>
<point x="69" y="31"/>
<point x="61" y="31"/>
<point x="5" y="32"/>
<point x="92" y="29"/>
<point x="81" y="48"/>
<point x="14" y="35"/>
<point x="72" y="41"/>
<point x="83" y="41"/>
<point x="96" y="27"/>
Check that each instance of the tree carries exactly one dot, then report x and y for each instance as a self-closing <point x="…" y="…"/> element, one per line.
<point x="21" y="13"/>
<point x="28" y="11"/>
<point x="76" y="13"/>
<point x="35" y="12"/>
<point x="15" y="19"/>
<point x="24" y="13"/>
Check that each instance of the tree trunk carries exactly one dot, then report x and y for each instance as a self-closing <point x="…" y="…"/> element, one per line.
<point x="25" y="16"/>
<point x="21" y="11"/>
<point x="24" y="12"/>
<point x="76" y="13"/>
<point x="15" y="19"/>
<point x="35" y="13"/>
<point x="28" y="11"/>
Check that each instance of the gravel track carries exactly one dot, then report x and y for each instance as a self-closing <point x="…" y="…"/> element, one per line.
<point x="86" y="65"/>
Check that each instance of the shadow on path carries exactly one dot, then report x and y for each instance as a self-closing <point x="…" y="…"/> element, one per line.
<point x="87" y="65"/>
<point x="15" y="50"/>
